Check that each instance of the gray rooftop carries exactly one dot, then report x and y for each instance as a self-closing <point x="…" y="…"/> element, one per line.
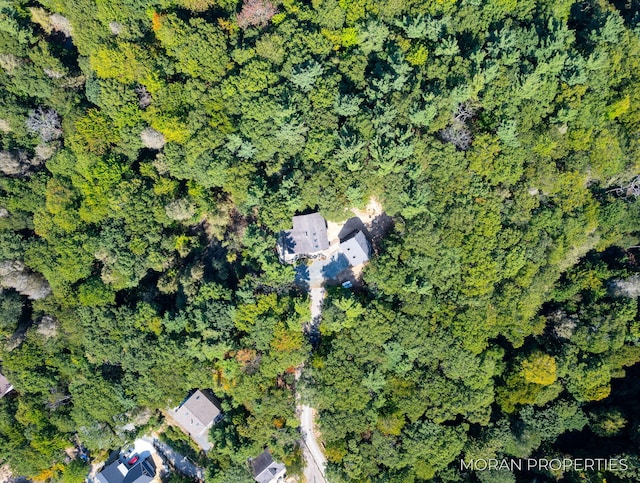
<point x="197" y="414"/>
<point x="265" y="470"/>
<point x="143" y="471"/>
<point x="356" y="248"/>
<point x="309" y="235"/>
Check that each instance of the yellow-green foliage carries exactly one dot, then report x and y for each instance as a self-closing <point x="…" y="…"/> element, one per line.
<point x="150" y="160"/>
<point x="539" y="368"/>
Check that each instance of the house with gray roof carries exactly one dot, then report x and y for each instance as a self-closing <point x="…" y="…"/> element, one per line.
<point x="356" y="248"/>
<point x="307" y="238"/>
<point x="265" y="470"/>
<point x="128" y="469"/>
<point x="197" y="414"/>
<point x="5" y="386"/>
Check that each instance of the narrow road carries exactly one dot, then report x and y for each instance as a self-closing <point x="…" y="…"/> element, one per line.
<point x="314" y="460"/>
<point x="316" y="295"/>
<point x="180" y="463"/>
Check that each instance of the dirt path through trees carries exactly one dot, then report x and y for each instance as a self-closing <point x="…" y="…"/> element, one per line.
<point x="314" y="460"/>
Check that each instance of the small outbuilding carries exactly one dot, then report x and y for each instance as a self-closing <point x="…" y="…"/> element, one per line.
<point x="308" y="237"/>
<point x="197" y="414"/>
<point x="265" y="470"/>
<point x="356" y="248"/>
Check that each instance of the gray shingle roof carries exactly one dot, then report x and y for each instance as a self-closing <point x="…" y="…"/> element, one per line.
<point x="197" y="415"/>
<point x="120" y="472"/>
<point x="264" y="469"/>
<point x="309" y="235"/>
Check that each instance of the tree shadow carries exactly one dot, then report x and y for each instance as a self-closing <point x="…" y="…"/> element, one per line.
<point x="286" y="247"/>
<point x="629" y="10"/>
<point x="380" y="227"/>
<point x="302" y="277"/>
<point x="113" y="456"/>
<point x="331" y="270"/>
<point x="346" y="275"/>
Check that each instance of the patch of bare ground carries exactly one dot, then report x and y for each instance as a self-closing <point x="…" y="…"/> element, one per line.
<point x="333" y="230"/>
<point x="5" y="473"/>
<point x="373" y="222"/>
<point x="378" y="223"/>
<point x="71" y="452"/>
<point x="372" y="218"/>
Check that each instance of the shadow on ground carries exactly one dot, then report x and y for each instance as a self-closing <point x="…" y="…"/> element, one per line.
<point x="381" y="225"/>
<point x="302" y="276"/>
<point x="335" y="269"/>
<point x="314" y="273"/>
<point x="351" y="225"/>
<point x="336" y="264"/>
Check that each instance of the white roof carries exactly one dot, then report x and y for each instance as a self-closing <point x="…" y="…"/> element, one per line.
<point x="356" y="248"/>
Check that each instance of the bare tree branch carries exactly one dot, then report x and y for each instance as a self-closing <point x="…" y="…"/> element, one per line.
<point x="458" y="133"/>
<point x="630" y="190"/>
<point x="46" y="123"/>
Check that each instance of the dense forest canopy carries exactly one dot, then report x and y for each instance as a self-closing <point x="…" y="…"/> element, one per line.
<point x="151" y="151"/>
